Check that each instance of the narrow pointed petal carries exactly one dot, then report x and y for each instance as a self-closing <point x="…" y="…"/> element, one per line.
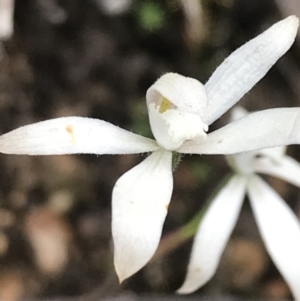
<point x="280" y="230"/>
<point x="72" y="135"/>
<point x="263" y="129"/>
<point x="213" y="234"/>
<point x="140" y="203"/>
<point x="246" y="66"/>
<point x="287" y="169"/>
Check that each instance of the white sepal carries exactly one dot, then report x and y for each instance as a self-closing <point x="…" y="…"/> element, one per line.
<point x="287" y="169"/>
<point x="246" y="66"/>
<point x="213" y="234"/>
<point x="176" y="105"/>
<point x="71" y="135"/>
<point x="139" y="206"/>
<point x="280" y="230"/>
<point x="263" y="129"/>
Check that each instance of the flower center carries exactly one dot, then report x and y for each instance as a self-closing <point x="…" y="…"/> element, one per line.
<point x="165" y="105"/>
<point x="176" y="105"/>
<point x="172" y="126"/>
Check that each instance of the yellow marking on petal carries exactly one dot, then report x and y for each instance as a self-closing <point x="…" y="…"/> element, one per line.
<point x="70" y="131"/>
<point x="165" y="105"/>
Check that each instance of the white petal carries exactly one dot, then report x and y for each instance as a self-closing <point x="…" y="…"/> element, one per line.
<point x="286" y="169"/>
<point x="280" y="230"/>
<point x="246" y="66"/>
<point x="268" y="128"/>
<point x="213" y="234"/>
<point x="140" y="204"/>
<point x="70" y="135"/>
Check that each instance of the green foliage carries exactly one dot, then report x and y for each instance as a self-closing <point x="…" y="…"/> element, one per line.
<point x="201" y="170"/>
<point x="140" y="119"/>
<point x="151" y="16"/>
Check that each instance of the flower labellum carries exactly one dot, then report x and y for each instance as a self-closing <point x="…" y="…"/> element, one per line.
<point x="176" y="105"/>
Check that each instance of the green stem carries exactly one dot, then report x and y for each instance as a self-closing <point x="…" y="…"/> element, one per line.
<point x="175" y="239"/>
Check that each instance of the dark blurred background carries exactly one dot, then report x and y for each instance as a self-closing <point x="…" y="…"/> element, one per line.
<point x="96" y="58"/>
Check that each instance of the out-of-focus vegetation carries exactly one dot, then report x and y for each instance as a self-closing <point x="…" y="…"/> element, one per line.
<point x="150" y="15"/>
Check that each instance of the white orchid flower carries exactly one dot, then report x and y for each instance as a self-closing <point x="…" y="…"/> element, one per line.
<point x="278" y="225"/>
<point x="180" y="109"/>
